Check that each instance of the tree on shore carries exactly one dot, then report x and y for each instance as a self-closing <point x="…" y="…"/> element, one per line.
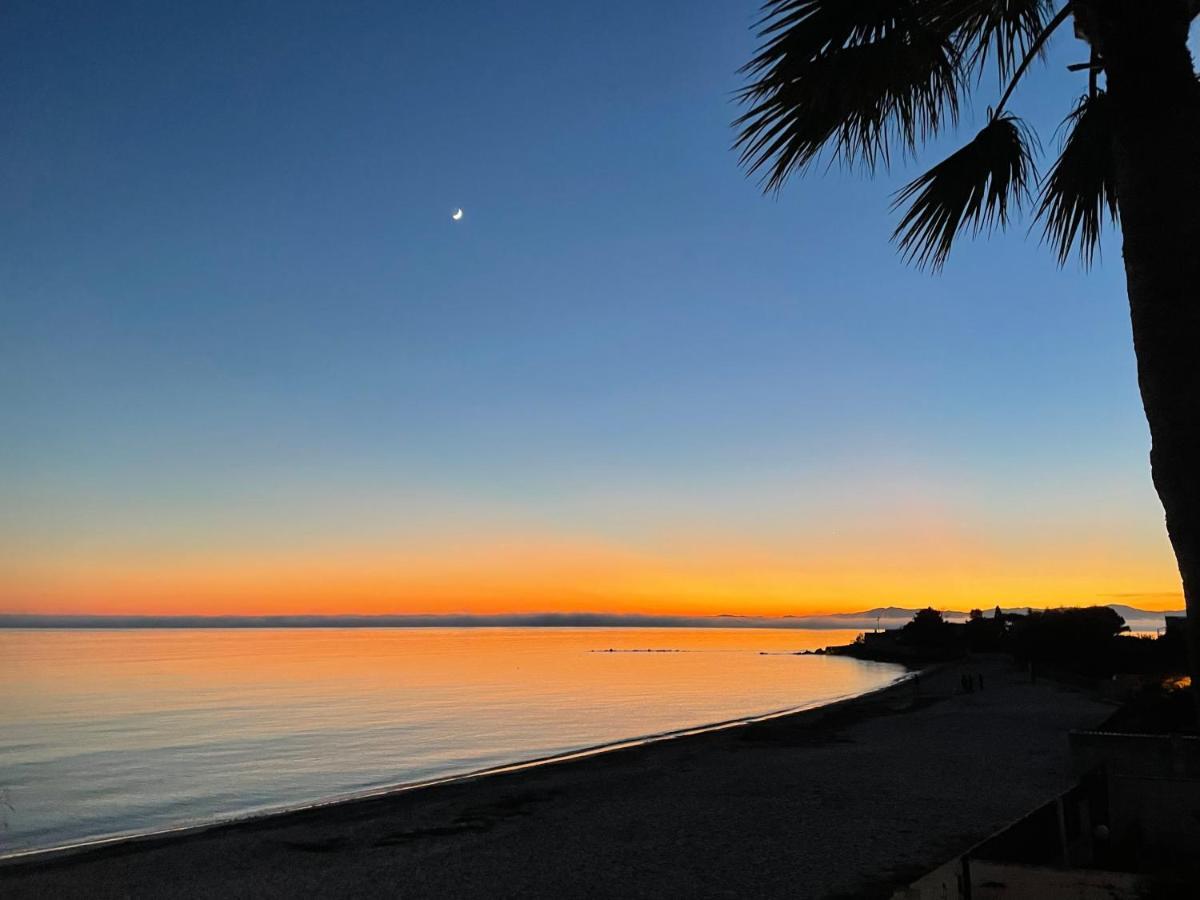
<point x="928" y="628"/>
<point x="858" y="80"/>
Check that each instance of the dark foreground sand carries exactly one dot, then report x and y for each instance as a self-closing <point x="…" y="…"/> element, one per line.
<point x="848" y="801"/>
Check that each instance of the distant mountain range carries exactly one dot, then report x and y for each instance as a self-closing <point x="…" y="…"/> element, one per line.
<point x="893" y="616"/>
<point x="882" y="617"/>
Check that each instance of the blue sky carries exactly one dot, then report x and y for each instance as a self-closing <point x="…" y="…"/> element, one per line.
<point x="236" y="314"/>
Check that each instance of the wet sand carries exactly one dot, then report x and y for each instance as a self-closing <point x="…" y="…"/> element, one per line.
<point x="845" y="801"/>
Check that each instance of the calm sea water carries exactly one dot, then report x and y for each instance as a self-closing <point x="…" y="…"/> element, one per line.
<point x="115" y="732"/>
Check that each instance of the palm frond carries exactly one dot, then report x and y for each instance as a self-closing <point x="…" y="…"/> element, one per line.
<point x="1081" y="185"/>
<point x="855" y="86"/>
<point x="798" y="31"/>
<point x="973" y="186"/>
<point x="1003" y="30"/>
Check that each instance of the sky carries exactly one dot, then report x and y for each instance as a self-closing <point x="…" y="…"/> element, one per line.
<point x="249" y="364"/>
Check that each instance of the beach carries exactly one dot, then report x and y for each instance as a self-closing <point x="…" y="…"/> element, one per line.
<point x="848" y="800"/>
<point x="126" y="732"/>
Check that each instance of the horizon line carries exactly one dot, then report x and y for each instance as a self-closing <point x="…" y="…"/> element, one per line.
<point x="827" y="621"/>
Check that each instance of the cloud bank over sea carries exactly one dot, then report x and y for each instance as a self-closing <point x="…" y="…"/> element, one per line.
<point x="883" y="617"/>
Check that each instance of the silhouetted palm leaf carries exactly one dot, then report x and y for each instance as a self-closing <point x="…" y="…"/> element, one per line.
<point x="1082" y="183"/>
<point x="974" y="185"/>
<point x="799" y="31"/>
<point x="855" y="86"/>
<point x="999" y="29"/>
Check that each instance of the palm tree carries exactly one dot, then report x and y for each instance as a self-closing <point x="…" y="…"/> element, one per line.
<point x="857" y="81"/>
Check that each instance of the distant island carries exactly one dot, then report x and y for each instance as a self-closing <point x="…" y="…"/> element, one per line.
<point x="870" y="619"/>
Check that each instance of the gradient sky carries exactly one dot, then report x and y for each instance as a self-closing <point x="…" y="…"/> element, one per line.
<point x="249" y="364"/>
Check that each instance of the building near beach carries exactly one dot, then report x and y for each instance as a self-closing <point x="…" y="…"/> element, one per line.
<point x="1128" y="827"/>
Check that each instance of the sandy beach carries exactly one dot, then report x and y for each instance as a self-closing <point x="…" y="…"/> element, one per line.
<point x="844" y="801"/>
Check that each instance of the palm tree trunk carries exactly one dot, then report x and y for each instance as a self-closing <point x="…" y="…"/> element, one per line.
<point x="1155" y="101"/>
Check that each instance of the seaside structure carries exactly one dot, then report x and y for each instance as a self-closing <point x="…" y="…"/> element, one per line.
<point x="1127" y="829"/>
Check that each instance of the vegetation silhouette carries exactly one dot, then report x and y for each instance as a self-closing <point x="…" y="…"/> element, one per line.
<point x="928" y="630"/>
<point x="1092" y="642"/>
<point x="1079" y="638"/>
<point x="858" y="82"/>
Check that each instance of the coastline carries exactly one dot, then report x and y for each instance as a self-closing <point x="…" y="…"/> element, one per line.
<point x="792" y="798"/>
<point x="48" y="855"/>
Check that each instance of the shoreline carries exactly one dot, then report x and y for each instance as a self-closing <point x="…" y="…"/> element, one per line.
<point x="851" y="798"/>
<point x="49" y="855"/>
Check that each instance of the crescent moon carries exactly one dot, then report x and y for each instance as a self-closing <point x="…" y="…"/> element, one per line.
<point x="456" y="215"/>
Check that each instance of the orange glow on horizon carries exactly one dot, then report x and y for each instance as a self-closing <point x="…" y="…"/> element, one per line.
<point x="542" y="575"/>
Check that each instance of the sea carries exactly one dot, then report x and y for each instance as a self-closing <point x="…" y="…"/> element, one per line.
<point x="108" y="733"/>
